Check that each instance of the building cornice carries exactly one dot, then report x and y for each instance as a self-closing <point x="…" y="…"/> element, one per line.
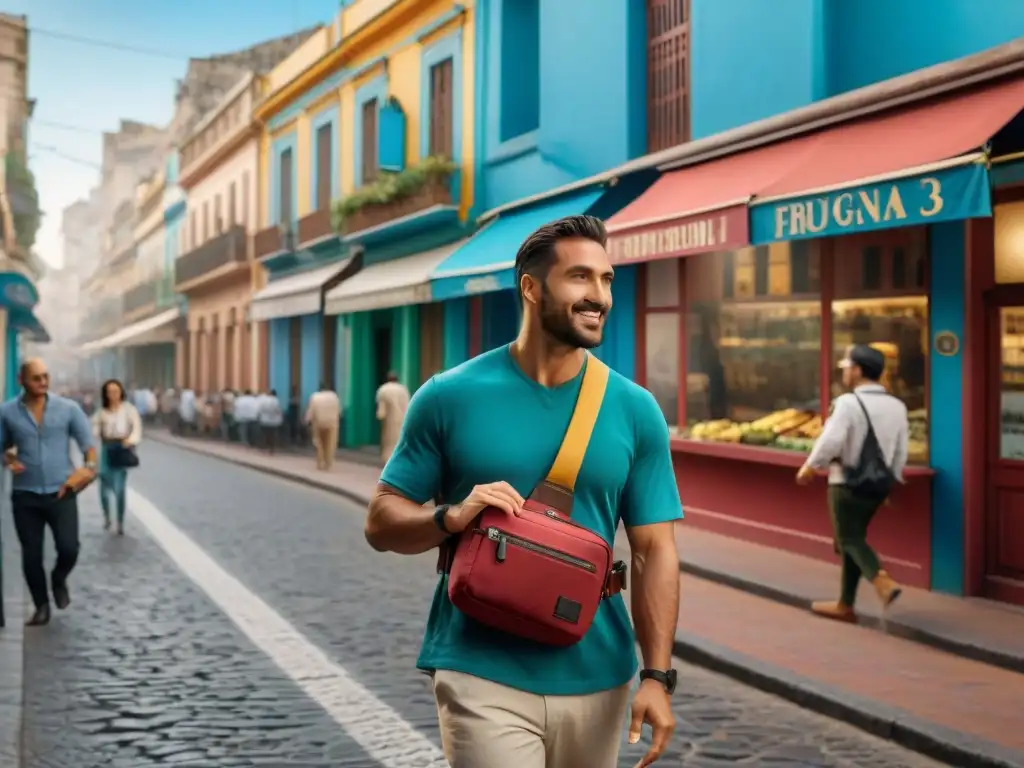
<point x="349" y="48"/>
<point x="196" y="172"/>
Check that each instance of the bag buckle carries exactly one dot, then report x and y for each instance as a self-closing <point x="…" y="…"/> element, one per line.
<point x="616" y="581"/>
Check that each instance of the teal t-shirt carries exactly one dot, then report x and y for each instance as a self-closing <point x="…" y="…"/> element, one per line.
<point x="486" y="421"/>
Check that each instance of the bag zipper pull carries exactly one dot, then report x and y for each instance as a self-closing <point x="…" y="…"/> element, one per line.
<point x="502" y="549"/>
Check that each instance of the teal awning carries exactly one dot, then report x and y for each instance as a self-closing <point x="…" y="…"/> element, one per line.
<point x="486" y="262"/>
<point x="25" y="320"/>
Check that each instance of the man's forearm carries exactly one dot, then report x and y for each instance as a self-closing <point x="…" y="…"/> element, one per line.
<point x="655" y="602"/>
<point x="395" y="524"/>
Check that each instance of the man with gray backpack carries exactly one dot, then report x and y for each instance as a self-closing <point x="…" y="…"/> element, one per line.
<point x="864" y="446"/>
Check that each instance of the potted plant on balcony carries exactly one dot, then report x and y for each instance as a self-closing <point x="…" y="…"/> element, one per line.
<point x="24" y="200"/>
<point x="394" y="195"/>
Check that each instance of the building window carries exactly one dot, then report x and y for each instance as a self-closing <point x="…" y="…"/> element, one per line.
<point x="881" y="299"/>
<point x="193" y="232"/>
<point x="369" y="148"/>
<point x="284" y="213"/>
<point x="662" y="333"/>
<point x="766" y="326"/>
<point x="753" y="333"/>
<point x="218" y="218"/>
<point x="442" y="134"/>
<point x="668" y="73"/>
<point x="520" y="68"/>
<point x="206" y="220"/>
<point x="232" y="202"/>
<point x="324" y="162"/>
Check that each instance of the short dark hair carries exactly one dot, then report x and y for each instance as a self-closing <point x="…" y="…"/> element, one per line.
<point x="870" y="361"/>
<point x="537" y="253"/>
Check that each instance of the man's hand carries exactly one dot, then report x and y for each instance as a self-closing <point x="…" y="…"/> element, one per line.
<point x="76" y="481"/>
<point x="11" y="461"/>
<point x="805" y="475"/>
<point x="652" y="705"/>
<point x="500" y="495"/>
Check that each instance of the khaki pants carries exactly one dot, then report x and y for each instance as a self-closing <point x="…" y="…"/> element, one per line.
<point x="488" y="725"/>
<point x="325" y="440"/>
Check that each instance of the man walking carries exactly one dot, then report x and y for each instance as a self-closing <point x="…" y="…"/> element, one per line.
<point x="392" y="404"/>
<point x="39" y="427"/>
<point x="487" y="433"/>
<point x="867" y="407"/>
<point x="323" y="415"/>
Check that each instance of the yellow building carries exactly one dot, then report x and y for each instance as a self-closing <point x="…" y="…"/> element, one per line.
<point x="371" y="120"/>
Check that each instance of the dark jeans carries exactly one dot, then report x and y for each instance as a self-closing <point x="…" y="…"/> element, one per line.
<point x="33" y="512"/>
<point x="851" y="516"/>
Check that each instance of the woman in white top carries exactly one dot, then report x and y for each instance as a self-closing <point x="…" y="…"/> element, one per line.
<point x="116" y="424"/>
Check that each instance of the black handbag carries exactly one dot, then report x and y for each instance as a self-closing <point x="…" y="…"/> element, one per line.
<point x="122" y="456"/>
<point x="871" y="477"/>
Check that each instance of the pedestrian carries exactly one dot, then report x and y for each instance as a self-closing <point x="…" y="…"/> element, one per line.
<point x="867" y="426"/>
<point x="187" y="407"/>
<point x="227" y="414"/>
<point x="484" y="435"/>
<point x="118" y="427"/>
<point x="271" y="418"/>
<point x="323" y="415"/>
<point x="392" y="404"/>
<point x="40" y="428"/>
<point x="247" y="417"/>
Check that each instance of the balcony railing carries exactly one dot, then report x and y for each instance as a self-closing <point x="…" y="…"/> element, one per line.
<point x="315" y="226"/>
<point x="127" y="256"/>
<point x="142" y="295"/>
<point x="273" y="239"/>
<point x="226" y="248"/>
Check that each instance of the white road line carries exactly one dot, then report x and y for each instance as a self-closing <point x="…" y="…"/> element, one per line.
<point x="375" y="726"/>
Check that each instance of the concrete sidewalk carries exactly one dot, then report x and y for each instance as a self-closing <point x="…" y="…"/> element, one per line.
<point x="955" y="692"/>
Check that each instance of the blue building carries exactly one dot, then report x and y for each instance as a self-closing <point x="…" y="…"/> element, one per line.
<point x="780" y="179"/>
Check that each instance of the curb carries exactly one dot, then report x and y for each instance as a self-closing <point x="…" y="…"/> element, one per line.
<point x="12" y="647"/>
<point x="892" y="627"/>
<point x="947" y="745"/>
<point x="309" y="482"/>
<point x="944" y="744"/>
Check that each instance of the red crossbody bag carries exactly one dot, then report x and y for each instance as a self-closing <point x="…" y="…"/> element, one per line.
<point x="539" y="575"/>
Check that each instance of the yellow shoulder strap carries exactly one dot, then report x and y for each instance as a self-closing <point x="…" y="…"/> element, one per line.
<point x="574" y="445"/>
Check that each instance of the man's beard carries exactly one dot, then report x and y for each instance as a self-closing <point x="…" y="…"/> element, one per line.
<point x="556" y="324"/>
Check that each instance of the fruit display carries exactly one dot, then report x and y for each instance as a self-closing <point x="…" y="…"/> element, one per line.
<point x="790" y="428"/>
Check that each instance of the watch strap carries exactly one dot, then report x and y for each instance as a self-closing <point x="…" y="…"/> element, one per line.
<point x="666" y="678"/>
<point x="440" y="512"/>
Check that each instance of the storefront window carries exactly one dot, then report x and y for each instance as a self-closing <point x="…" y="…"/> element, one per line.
<point x="1009" y="242"/>
<point x="753" y="340"/>
<point x="661" y="335"/>
<point x="881" y="299"/>
<point x="1011" y="390"/>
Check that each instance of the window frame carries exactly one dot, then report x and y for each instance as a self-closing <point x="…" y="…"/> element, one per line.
<point x="376" y="89"/>
<point x="669" y="33"/>
<point x="448" y="47"/>
<point x="327" y="117"/>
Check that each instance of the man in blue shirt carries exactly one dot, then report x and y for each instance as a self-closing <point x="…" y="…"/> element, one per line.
<point x="39" y="428"/>
<point x="487" y="432"/>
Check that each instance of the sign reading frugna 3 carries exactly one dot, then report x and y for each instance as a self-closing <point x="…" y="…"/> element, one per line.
<point x="719" y="231"/>
<point x="954" y="193"/>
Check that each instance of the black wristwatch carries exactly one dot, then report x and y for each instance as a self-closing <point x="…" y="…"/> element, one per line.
<point x="439" y="514"/>
<point x="668" y="678"/>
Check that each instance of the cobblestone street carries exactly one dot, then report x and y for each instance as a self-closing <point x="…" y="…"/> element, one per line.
<point x="306" y="660"/>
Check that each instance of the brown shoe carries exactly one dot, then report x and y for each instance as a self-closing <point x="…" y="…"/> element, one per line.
<point x="887" y="589"/>
<point x="834" y="610"/>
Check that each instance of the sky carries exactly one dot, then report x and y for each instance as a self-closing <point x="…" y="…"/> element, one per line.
<point x="84" y="82"/>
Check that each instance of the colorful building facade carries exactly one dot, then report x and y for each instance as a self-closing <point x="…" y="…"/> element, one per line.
<point x="369" y="183"/>
<point x="214" y="265"/>
<point x="792" y="221"/>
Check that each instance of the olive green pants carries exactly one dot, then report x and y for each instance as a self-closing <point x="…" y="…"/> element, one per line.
<point x="851" y="516"/>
